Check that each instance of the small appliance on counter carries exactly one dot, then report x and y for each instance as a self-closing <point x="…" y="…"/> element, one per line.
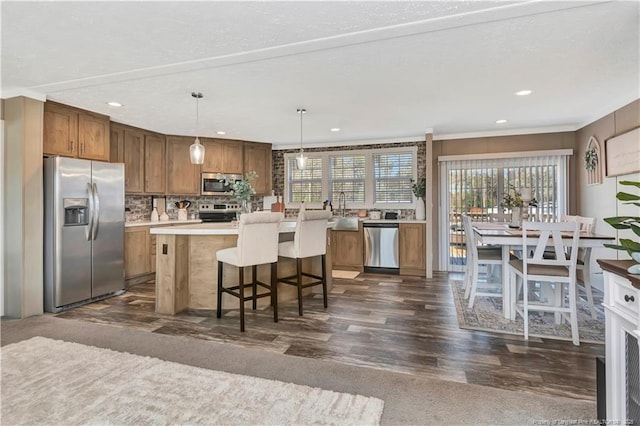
<point x="374" y="214"/>
<point x="391" y="215"/>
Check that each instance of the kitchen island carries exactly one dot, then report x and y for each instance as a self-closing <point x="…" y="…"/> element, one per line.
<point x="187" y="268"/>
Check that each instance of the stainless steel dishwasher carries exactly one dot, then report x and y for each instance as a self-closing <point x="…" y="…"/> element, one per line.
<point x="381" y="247"/>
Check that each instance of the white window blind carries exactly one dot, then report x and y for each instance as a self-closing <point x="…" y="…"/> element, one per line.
<point x="347" y="174"/>
<point x="305" y="185"/>
<point x="477" y="187"/>
<point x="392" y="178"/>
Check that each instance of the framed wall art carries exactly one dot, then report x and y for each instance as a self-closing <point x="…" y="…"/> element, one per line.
<point x="622" y="153"/>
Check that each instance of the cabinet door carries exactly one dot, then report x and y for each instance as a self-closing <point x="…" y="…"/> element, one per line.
<point x="346" y="250"/>
<point x="183" y="178"/>
<point x="257" y="157"/>
<point x="213" y="155"/>
<point x="60" y="130"/>
<point x="116" y="143"/>
<point x="412" y="249"/>
<point x="154" y="164"/>
<point x="136" y="251"/>
<point x="93" y="137"/>
<point x="233" y="157"/>
<point x="133" y="161"/>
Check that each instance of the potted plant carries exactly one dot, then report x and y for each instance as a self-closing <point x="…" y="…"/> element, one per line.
<point x="513" y="201"/>
<point x="242" y="190"/>
<point x="628" y="222"/>
<point x="419" y="188"/>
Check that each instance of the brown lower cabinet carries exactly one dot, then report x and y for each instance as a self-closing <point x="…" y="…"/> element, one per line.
<point x="139" y="253"/>
<point x="411" y="244"/>
<point x="347" y="250"/>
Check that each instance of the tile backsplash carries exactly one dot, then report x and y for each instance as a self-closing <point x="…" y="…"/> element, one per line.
<point x="138" y="207"/>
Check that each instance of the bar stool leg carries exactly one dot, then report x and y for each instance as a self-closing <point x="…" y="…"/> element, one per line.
<point x="324" y="280"/>
<point x="219" y="309"/>
<point x="241" y="293"/>
<point x="253" y="284"/>
<point x="274" y="290"/>
<point x="299" y="273"/>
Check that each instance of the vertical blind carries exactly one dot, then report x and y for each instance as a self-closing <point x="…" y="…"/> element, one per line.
<point x="477" y="187"/>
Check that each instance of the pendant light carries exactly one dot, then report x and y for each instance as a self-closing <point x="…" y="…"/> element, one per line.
<point x="196" y="150"/>
<point x="301" y="160"/>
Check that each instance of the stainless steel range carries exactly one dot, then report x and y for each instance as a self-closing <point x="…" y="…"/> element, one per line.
<point x="218" y="212"/>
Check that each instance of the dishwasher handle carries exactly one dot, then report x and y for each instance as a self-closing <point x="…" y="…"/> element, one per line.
<point x="380" y="225"/>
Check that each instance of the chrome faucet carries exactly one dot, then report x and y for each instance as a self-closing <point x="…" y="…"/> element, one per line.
<point x="342" y="203"/>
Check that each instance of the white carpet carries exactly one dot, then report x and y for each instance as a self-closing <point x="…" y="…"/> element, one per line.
<point x="47" y="381"/>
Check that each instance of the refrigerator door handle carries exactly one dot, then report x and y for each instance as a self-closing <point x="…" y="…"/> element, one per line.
<point x="91" y="207"/>
<point x="96" y="219"/>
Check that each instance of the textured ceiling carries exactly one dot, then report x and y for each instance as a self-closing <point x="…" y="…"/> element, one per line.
<point x="380" y="71"/>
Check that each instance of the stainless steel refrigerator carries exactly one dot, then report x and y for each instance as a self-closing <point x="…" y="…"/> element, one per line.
<point x="84" y="231"/>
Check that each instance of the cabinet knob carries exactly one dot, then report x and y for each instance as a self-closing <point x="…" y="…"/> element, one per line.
<point x="628" y="298"/>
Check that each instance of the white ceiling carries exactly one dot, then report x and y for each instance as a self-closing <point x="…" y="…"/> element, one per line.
<point x="380" y="71"/>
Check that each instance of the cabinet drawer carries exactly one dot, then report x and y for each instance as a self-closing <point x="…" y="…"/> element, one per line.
<point x="625" y="297"/>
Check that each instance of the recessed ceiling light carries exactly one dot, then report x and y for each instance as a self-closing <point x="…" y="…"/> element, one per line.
<point x="221" y="132"/>
<point x="335" y="129"/>
<point x="501" y="121"/>
<point x="114" y="104"/>
<point x="524" y="92"/>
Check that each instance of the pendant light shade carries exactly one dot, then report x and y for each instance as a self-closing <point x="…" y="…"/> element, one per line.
<point x="196" y="150"/>
<point x="301" y="160"/>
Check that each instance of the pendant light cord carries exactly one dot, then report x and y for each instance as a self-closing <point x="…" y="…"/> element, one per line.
<point x="301" y="111"/>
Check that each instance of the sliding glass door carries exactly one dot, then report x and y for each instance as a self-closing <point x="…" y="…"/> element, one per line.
<point x="476" y="186"/>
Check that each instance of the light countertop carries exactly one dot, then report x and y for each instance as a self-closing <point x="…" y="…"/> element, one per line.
<point x="216" y="228"/>
<point x="161" y="223"/>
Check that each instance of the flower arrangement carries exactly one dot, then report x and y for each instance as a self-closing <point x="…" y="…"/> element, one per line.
<point x="242" y="189"/>
<point x="513" y="198"/>
<point x="419" y="187"/>
<point x="590" y="159"/>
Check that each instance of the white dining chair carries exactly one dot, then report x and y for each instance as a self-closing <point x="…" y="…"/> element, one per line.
<point x="587" y="224"/>
<point x="555" y="272"/>
<point x="309" y="240"/>
<point x="476" y="256"/>
<point x="258" y="235"/>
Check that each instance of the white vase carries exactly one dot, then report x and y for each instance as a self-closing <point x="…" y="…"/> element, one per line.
<point x="420" y="212"/>
<point x="516" y="217"/>
<point x="635" y="269"/>
<point x="182" y="214"/>
<point x="154" y="215"/>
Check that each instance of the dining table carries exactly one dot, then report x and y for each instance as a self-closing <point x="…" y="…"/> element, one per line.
<point x="508" y="238"/>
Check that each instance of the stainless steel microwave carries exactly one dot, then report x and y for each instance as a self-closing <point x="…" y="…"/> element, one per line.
<point x="214" y="184"/>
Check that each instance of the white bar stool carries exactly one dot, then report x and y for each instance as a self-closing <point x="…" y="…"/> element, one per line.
<point x="310" y="240"/>
<point x="257" y="245"/>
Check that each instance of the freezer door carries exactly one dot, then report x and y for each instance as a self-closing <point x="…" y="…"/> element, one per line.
<point x="108" y="228"/>
<point x="67" y="238"/>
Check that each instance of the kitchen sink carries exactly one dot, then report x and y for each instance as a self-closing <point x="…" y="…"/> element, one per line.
<point x="345" y="223"/>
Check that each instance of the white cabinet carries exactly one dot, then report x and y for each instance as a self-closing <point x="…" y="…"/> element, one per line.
<point x="622" y="311"/>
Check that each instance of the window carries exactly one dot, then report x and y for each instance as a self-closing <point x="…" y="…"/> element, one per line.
<point x="347" y="173"/>
<point x="476" y="185"/>
<point x="369" y="178"/>
<point x="392" y="175"/>
<point x="305" y="185"/>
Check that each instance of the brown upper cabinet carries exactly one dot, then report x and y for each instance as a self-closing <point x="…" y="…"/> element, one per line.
<point x="222" y="156"/>
<point x="73" y="132"/>
<point x="183" y="178"/>
<point x="143" y="154"/>
<point x="257" y="157"/>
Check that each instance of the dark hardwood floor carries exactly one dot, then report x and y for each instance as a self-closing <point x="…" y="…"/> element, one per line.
<point x="404" y="324"/>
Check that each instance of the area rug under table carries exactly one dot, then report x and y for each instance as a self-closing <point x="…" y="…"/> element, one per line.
<point x="47" y="381"/>
<point x="486" y="315"/>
